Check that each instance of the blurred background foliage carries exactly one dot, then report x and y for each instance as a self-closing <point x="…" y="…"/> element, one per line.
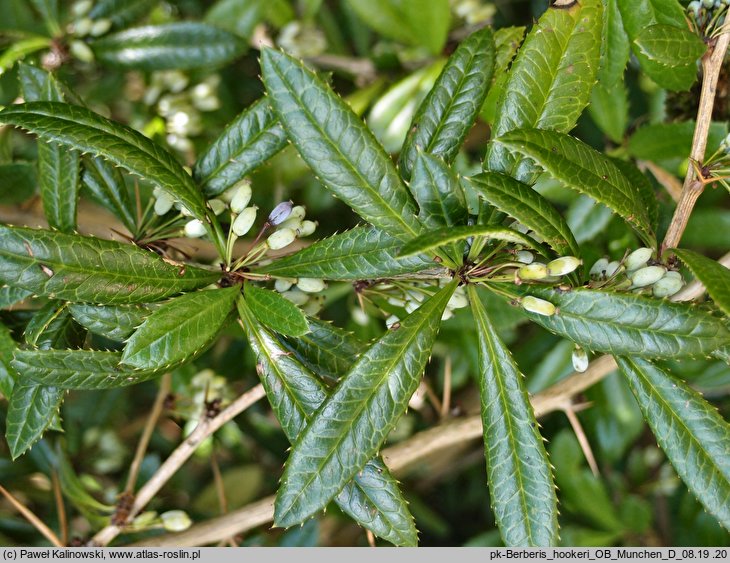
<point x="382" y="56"/>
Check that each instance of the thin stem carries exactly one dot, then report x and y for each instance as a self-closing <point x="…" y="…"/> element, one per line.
<point x="32" y="518"/>
<point x="60" y="507"/>
<point x="693" y="187"/>
<point x="205" y="428"/>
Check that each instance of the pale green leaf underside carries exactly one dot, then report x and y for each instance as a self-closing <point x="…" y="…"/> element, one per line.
<point x="524" y="204"/>
<point x="276" y="312"/>
<point x="31" y="410"/>
<point x="179" y="329"/>
<point x="713" y="275"/>
<point x="520" y="480"/>
<point x="435" y="239"/>
<point x="584" y="169"/>
<point x="372" y="498"/>
<point x="78" y="369"/>
<point x="250" y="140"/>
<point x="626" y="323"/>
<point x="86" y="269"/>
<point x="338" y="147"/>
<point x="692" y="434"/>
<point x="352" y="424"/>
<point x="357" y="254"/>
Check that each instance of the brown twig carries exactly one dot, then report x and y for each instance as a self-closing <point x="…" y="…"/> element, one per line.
<point x="693" y="186"/>
<point x="205" y="428"/>
<point x="32" y="518"/>
<point x="585" y="445"/>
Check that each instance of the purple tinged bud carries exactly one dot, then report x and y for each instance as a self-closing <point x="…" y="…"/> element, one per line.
<point x="280" y="213"/>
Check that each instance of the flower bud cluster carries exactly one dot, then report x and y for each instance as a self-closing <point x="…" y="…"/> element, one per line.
<point x="303" y="292"/>
<point x="539" y="271"/>
<point x="708" y="15"/>
<point x="638" y="272"/>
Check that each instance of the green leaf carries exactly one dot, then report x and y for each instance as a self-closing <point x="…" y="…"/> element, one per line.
<point x="31" y="410"/>
<point x="642" y="184"/>
<point x="438" y="193"/>
<point x="17" y="182"/>
<point x="78" y="369"/>
<point x="615" y="48"/>
<point x="87" y="269"/>
<point x="438" y="238"/>
<point x="326" y="349"/>
<point x="121" y="12"/>
<point x="524" y="204"/>
<point x="337" y="146"/>
<point x="507" y="41"/>
<point x="20" y="49"/>
<point x="89" y="132"/>
<point x="358" y="254"/>
<point x="448" y="112"/>
<point x="713" y="275"/>
<point x="249" y="141"/>
<point x="520" y="480"/>
<point x="179" y="329"/>
<point x="689" y="430"/>
<point x="550" y="81"/>
<point x="58" y="167"/>
<point x="107" y="187"/>
<point x="609" y="109"/>
<point x="626" y="323"/>
<point x="295" y="393"/>
<point x="587" y="218"/>
<point x="53" y="327"/>
<point x="407" y="20"/>
<point x="237" y="17"/>
<point x="669" y="45"/>
<point x="12" y="295"/>
<point x="276" y="312"/>
<point x="661" y="142"/>
<point x="352" y="424"/>
<point x="178" y="45"/>
<point x="8" y="377"/>
<point x="584" y="169"/>
<point x="116" y="322"/>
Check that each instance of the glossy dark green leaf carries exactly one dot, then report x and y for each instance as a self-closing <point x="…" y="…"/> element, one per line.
<point x="58" y="167"/>
<point x="693" y="435"/>
<point x="31" y="410"/>
<point x="249" y="141"/>
<point x="626" y="323"/>
<point x="78" y="369"/>
<point x="447" y="114"/>
<point x="11" y="295"/>
<point x="372" y="498"/>
<point x="550" y="80"/>
<point x="615" y="47"/>
<point x="8" y="377"/>
<point x="87" y="131"/>
<point x="713" y="275"/>
<point x="438" y="193"/>
<point x="438" y="238"/>
<point x="584" y="169"/>
<point x="276" y="312"/>
<point x="87" y="269"/>
<point x="107" y="187"/>
<point x="524" y="204"/>
<point x="52" y="326"/>
<point x="520" y="480"/>
<point x="17" y="182"/>
<point x="179" y="329"/>
<point x="357" y="254"/>
<point x="326" y="350"/>
<point x="116" y="322"/>
<point x="353" y="422"/>
<point x="643" y="186"/>
<point x="121" y="12"/>
<point x="337" y="146"/>
<point x="506" y="41"/>
<point x="669" y="45"/>
<point x="178" y="45"/>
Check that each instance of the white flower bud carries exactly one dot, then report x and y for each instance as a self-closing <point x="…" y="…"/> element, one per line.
<point x="194" y="229"/>
<point x="281" y="238"/>
<point x="280" y="213"/>
<point x="307" y="228"/>
<point x="396" y="302"/>
<point x="281" y="285"/>
<point x="458" y="300"/>
<point x="534" y="271"/>
<point x="525" y="256"/>
<point x="599" y="267"/>
<point x="81" y="8"/>
<point x="297" y="211"/>
<point x="647" y="276"/>
<point x="100" y="27"/>
<point x="413" y="295"/>
<point x="83" y="27"/>
<point x="412" y="306"/>
<point x="674" y="274"/>
<point x="184" y="211"/>
<point x="638" y="258"/>
<point x="580" y="359"/>
<point x="243" y="223"/>
<point x="391" y="320"/>
<point x="519" y="227"/>
<point x="241" y="196"/>
<point x="163" y="203"/>
<point x="564" y="265"/>
<point x="447" y="314"/>
<point x="359" y="316"/>
<point x="145" y="519"/>
<point x="81" y="51"/>
<point x="295" y="296"/>
<point x="537" y="305"/>
<point x="311" y="285"/>
<point x="293" y="223"/>
<point x="667" y="286"/>
<point x="218" y="206"/>
<point x="175" y="520"/>
<point x="313" y="306"/>
<point x="614" y="268"/>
